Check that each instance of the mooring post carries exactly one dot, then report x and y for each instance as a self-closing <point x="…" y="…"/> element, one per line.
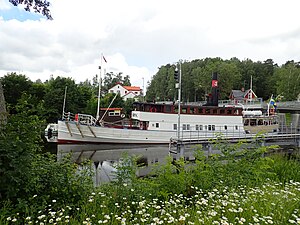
<point x="209" y="149"/>
<point x="181" y="150"/>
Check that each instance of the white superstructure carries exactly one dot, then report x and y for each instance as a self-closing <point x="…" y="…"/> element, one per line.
<point x="150" y="127"/>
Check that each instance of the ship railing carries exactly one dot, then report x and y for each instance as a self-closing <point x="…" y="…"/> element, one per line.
<point x="283" y="132"/>
<point x="248" y="103"/>
<point x="80" y="118"/>
<point x="68" y="116"/>
<point x="85" y="119"/>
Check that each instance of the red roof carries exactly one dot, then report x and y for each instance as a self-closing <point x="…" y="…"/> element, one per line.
<point x="132" y="88"/>
<point x="110" y="109"/>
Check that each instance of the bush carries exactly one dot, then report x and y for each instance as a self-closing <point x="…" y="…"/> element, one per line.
<point x="30" y="179"/>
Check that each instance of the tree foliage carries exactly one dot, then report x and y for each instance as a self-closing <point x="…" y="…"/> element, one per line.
<point x="46" y="99"/>
<point x="267" y="79"/>
<point x="111" y="79"/>
<point x="38" y="6"/>
<point x="26" y="172"/>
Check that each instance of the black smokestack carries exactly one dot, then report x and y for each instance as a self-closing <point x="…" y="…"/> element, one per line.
<point x="215" y="89"/>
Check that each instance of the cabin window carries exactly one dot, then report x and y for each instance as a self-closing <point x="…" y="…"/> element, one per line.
<point x="213" y="127"/>
<point x="157" y="125"/>
<point x="236" y="127"/>
<point x="111" y="91"/>
<point x="115" y="113"/>
<point x="215" y="111"/>
<point x="207" y="111"/>
<point x="184" y="110"/>
<point x="222" y="111"/>
<point x="197" y="127"/>
<point x="174" y="126"/>
<point x="201" y="127"/>
<point x="209" y="127"/>
<point x="188" y="126"/>
<point x="184" y="127"/>
<point x="225" y="127"/>
<point x="229" y="111"/>
<point x="168" y="108"/>
<point x="200" y="111"/>
<point x="192" y="110"/>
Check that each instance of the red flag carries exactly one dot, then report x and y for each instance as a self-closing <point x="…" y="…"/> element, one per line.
<point x="104" y="59"/>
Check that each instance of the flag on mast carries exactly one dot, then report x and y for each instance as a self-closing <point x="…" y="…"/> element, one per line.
<point x="104" y="58"/>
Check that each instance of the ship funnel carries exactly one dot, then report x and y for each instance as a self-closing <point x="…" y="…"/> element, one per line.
<point x="213" y="98"/>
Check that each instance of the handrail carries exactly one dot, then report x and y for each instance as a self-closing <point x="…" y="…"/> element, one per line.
<point x="80" y="118"/>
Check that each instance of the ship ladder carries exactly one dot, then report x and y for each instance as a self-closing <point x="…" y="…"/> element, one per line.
<point x="92" y="131"/>
<point x="67" y="124"/>
<point x="78" y="127"/>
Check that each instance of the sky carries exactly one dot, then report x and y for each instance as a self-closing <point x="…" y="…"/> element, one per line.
<point x="136" y="37"/>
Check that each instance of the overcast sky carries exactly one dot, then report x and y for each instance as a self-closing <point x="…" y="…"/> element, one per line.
<point x="136" y="36"/>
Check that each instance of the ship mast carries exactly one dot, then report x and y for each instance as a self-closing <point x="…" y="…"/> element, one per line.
<point x="99" y="89"/>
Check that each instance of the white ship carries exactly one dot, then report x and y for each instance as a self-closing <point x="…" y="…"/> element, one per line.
<point x="158" y="123"/>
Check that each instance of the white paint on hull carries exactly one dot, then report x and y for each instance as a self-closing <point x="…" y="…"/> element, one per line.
<point x="71" y="131"/>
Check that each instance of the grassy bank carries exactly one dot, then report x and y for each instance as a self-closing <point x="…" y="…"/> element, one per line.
<point x="234" y="187"/>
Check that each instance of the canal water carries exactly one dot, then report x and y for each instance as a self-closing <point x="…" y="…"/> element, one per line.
<point x="105" y="156"/>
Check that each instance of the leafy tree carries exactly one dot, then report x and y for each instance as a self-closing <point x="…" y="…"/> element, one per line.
<point x="26" y="172"/>
<point x="39" y="6"/>
<point x="14" y="85"/>
<point x="19" y="143"/>
<point x="196" y="79"/>
<point x="287" y="81"/>
<point x="76" y="99"/>
<point x="159" y="89"/>
<point x="128" y="106"/>
<point x="126" y="80"/>
<point x="107" y="100"/>
<point x="111" y="79"/>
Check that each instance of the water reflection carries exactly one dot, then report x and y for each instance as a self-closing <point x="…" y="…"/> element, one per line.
<point x="105" y="156"/>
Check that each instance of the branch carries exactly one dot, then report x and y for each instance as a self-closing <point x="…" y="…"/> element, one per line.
<point x="39" y="6"/>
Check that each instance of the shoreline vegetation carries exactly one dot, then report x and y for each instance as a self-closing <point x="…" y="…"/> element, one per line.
<point x="240" y="185"/>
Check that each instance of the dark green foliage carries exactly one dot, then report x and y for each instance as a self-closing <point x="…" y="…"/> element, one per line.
<point x="76" y="99"/>
<point x="14" y="86"/>
<point x="111" y="79"/>
<point x="26" y="172"/>
<point x="107" y="100"/>
<point x="267" y="79"/>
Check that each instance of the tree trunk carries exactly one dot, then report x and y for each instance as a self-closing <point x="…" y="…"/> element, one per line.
<point x="3" y="113"/>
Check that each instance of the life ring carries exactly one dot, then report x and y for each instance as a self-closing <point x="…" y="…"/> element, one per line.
<point x="152" y="109"/>
<point x="122" y="115"/>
